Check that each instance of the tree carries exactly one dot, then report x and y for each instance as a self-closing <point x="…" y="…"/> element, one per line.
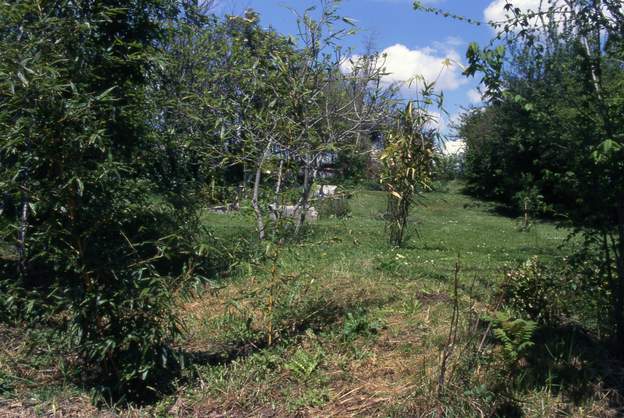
<point x="334" y="98"/>
<point x="563" y="86"/>
<point x="258" y="60"/>
<point x="408" y="161"/>
<point x="99" y="247"/>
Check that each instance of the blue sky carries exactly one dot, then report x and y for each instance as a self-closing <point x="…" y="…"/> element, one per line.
<point x="416" y="42"/>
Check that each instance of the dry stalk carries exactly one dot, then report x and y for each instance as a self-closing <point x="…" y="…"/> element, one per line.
<point x="452" y="336"/>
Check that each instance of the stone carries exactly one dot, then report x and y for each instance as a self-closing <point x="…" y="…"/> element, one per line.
<point x="291" y="211"/>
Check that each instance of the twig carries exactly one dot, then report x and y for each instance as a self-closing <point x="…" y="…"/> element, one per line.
<point x="452" y="336"/>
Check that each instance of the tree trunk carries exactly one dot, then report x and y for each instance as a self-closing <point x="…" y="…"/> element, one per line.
<point x="255" y="203"/>
<point x="618" y="287"/>
<point x="21" y="233"/>
<point x="256" y="192"/>
<point x="309" y="175"/>
<point x="278" y="189"/>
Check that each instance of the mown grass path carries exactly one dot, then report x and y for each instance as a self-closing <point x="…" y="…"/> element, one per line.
<point x="360" y="324"/>
<point x="357" y="326"/>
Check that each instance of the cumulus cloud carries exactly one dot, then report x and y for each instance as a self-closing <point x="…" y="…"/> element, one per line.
<point x="403" y="65"/>
<point x="496" y="12"/>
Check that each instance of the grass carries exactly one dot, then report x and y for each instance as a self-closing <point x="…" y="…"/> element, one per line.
<point x="357" y="326"/>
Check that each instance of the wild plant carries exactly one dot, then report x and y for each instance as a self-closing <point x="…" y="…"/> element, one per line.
<point x="408" y="161"/>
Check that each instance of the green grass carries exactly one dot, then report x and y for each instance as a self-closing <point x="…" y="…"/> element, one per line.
<point x="358" y="326"/>
<point x="346" y="276"/>
<point x="447" y="225"/>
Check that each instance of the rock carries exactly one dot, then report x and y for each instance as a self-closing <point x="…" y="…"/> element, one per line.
<point x="327" y="190"/>
<point x="291" y="211"/>
<point x="230" y="207"/>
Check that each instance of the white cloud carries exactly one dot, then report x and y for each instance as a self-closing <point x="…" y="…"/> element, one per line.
<point x="437" y="122"/>
<point x="496" y="12"/>
<point x="403" y="65"/>
<point x="474" y="96"/>
<point x="454" y="147"/>
<point x="410" y="2"/>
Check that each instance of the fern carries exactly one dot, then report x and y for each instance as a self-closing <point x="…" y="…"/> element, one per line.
<point x="515" y="335"/>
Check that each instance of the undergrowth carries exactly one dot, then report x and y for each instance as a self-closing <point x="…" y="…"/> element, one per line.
<point x="339" y="323"/>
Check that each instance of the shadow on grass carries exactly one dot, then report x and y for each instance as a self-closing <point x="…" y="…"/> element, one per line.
<point x="317" y="316"/>
<point x="506" y="211"/>
<point x="568" y="360"/>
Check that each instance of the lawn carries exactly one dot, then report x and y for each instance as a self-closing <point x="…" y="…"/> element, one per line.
<point x="356" y="327"/>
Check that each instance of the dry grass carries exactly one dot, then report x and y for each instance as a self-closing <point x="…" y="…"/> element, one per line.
<point x="358" y="330"/>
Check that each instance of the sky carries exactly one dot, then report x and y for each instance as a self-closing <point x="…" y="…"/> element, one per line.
<point x="416" y="43"/>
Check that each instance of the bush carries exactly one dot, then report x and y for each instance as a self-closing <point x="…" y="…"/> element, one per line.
<point x="575" y="289"/>
<point x="101" y="243"/>
<point x="544" y="293"/>
<point x="536" y="291"/>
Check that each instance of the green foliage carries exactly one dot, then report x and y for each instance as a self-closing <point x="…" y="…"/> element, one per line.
<point x="555" y="119"/>
<point x="303" y="364"/>
<point x="333" y="271"/>
<point x="234" y="327"/>
<point x="353" y="165"/>
<point x="448" y="166"/>
<point x="530" y="203"/>
<point x="407" y="163"/>
<point x="541" y="293"/>
<point x="515" y="335"/>
<point x="558" y="292"/>
<point x="411" y="306"/>
<point x="392" y="263"/>
<point x="359" y="323"/>
<point x="101" y="248"/>
<point x="489" y="62"/>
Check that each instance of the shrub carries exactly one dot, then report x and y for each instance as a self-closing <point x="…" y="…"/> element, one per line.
<point x="101" y="244"/>
<point x="555" y="292"/>
<point x="407" y="161"/>
<point x="536" y="291"/>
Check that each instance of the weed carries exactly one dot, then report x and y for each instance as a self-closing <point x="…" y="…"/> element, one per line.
<point x="358" y="323"/>
<point x="303" y="363"/>
<point x="515" y="335"/>
<point x="411" y="306"/>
